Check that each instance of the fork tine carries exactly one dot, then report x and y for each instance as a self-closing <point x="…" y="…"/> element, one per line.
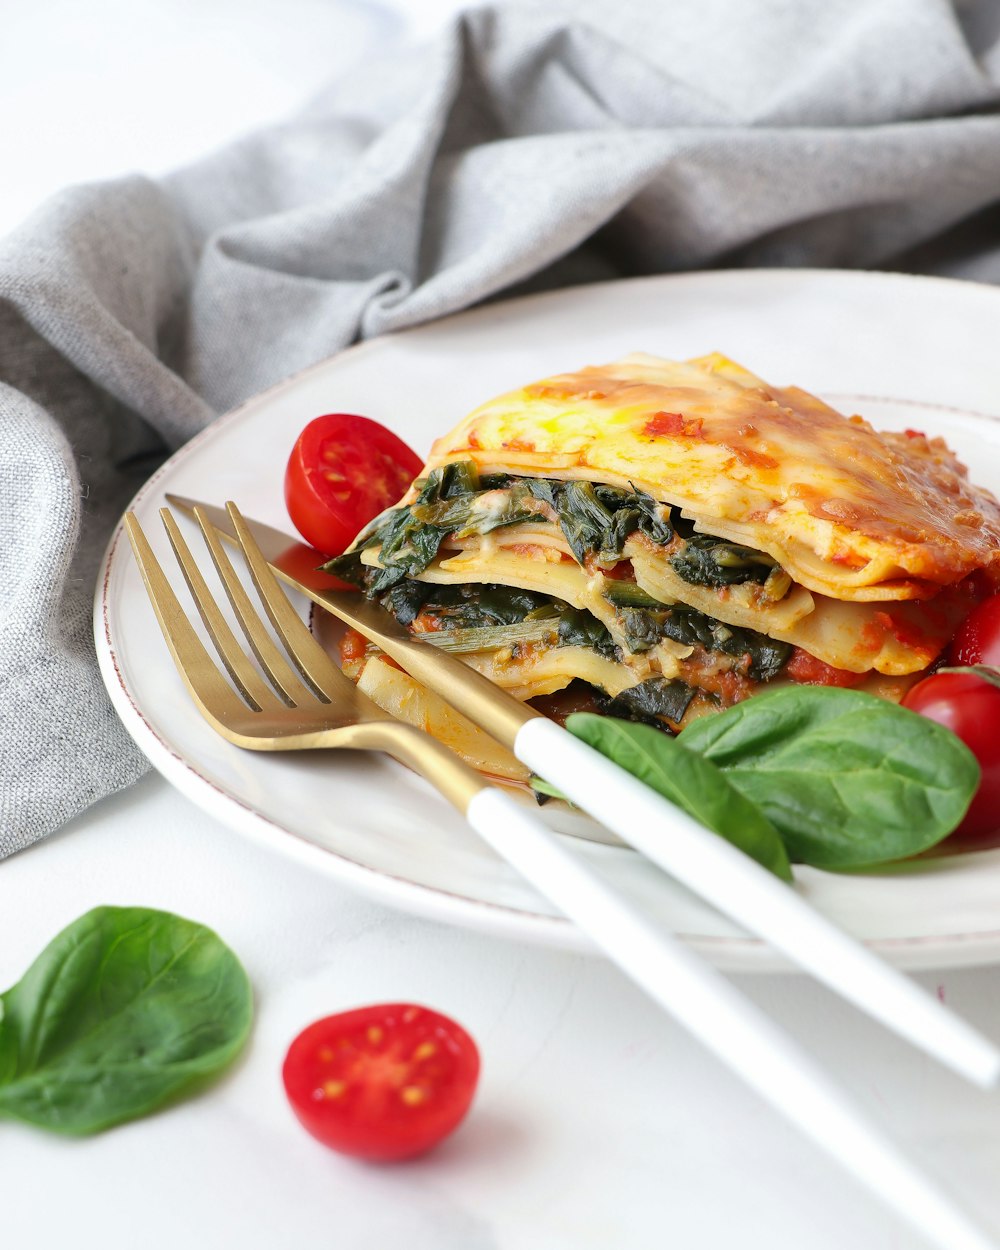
<point x="249" y="681"/>
<point x="312" y="661"/>
<point x="274" y="664"/>
<point x="197" y="668"/>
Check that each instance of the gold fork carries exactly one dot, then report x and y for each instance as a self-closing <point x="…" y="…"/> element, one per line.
<point x="314" y="705"/>
<point x="311" y="706"/>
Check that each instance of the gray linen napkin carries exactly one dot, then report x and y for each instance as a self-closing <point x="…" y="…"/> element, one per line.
<point x="521" y="150"/>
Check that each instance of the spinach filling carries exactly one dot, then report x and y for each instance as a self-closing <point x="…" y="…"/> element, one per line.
<point x="645" y="622"/>
<point x="644" y="628"/>
<point x="705" y="560"/>
<point x="578" y="628"/>
<point x="486" y="608"/>
<point x="471" y="606"/>
<point x="650" y="701"/>
<point x="597" y="521"/>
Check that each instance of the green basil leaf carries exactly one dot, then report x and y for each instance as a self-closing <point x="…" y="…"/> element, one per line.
<point x="124" y="1009"/>
<point x="687" y="779"/>
<point x="848" y="780"/>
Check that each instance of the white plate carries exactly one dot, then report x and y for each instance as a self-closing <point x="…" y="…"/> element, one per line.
<point x="928" y="345"/>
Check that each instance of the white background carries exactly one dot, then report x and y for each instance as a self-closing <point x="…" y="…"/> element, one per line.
<point x="598" y="1123"/>
<point x="108" y="87"/>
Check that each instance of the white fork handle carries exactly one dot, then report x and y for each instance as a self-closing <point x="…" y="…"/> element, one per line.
<point x="727" y="1023"/>
<point x="724" y="876"/>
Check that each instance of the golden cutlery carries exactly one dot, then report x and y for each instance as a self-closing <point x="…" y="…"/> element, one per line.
<point x="707" y="864"/>
<point x="313" y="705"/>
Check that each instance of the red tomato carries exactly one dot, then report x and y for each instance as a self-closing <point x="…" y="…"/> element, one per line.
<point x="970" y="708"/>
<point x="978" y="638"/>
<point x="343" y="471"/>
<point x="383" y="1082"/>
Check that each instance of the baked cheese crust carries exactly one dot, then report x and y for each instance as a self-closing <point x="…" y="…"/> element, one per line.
<point x="850" y="513"/>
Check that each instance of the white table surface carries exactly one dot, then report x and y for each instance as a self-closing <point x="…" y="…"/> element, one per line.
<point x="598" y="1123"/>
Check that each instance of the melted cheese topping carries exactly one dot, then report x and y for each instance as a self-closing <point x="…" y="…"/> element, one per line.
<point x="849" y="512"/>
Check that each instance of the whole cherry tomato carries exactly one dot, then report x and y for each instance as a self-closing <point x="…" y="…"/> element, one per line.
<point x="969" y="706"/>
<point x="977" y="640"/>
<point x="343" y="471"/>
<point x="383" y="1082"/>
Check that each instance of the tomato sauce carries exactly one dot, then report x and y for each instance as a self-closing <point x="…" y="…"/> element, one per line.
<point x="353" y="646"/>
<point x="577" y="697"/>
<point x="667" y="424"/>
<point x="808" y="671"/>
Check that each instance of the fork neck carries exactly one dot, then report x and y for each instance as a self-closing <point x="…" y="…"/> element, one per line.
<point x="450" y="776"/>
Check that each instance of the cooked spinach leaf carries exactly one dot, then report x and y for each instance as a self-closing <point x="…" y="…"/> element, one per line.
<point x="450" y="481"/>
<point x="578" y="628"/>
<point x="479" y="606"/>
<point x="124" y="1010"/>
<point x="644" y="628"/>
<point x="451" y="500"/>
<point x="708" y="561"/>
<point x="625" y="594"/>
<point x="687" y="779"/>
<point x="598" y="520"/>
<point x="848" y="779"/>
<point x="480" y="513"/>
<point x="650" y="700"/>
<point x="406" y="599"/>
<point x="468" y="606"/>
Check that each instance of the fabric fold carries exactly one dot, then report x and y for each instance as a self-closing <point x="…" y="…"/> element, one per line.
<point x="519" y="150"/>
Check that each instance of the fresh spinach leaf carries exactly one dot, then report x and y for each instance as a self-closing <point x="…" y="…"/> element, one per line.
<point x="687" y="779"/>
<point x="849" y="780"/>
<point x="124" y="1010"/>
<point x="543" y="791"/>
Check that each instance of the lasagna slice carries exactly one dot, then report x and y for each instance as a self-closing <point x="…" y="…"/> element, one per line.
<point x="662" y="539"/>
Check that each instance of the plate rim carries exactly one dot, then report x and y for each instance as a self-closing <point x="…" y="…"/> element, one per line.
<point x="436" y="903"/>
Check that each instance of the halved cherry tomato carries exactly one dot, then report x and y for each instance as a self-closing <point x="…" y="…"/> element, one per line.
<point x="970" y="708"/>
<point x="977" y="640"/>
<point x="383" y="1082"/>
<point x="343" y="471"/>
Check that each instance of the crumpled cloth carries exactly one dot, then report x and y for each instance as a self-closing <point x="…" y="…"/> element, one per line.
<point x="522" y="149"/>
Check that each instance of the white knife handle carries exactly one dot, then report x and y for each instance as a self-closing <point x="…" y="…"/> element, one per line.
<point x="728" y="1024"/>
<point x="749" y="894"/>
